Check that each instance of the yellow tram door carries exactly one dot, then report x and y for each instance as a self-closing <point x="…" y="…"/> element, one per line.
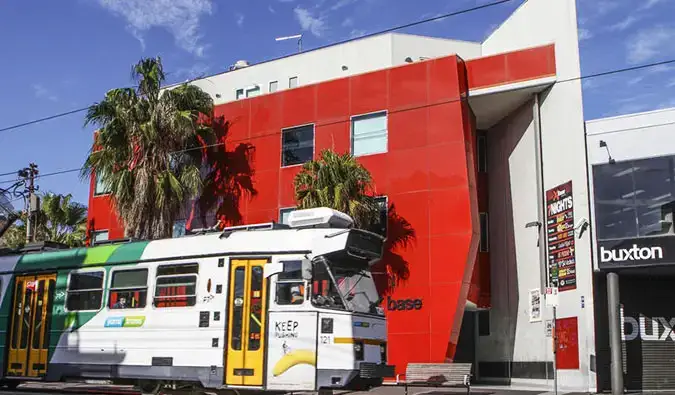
<point x="30" y="317"/>
<point x="247" y="307"/>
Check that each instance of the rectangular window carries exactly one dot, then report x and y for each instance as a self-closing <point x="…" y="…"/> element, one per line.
<point x="297" y="145"/>
<point x="274" y="85"/>
<point x="253" y="92"/>
<point x="290" y="289"/>
<point x="483" y="244"/>
<point x="99" y="236"/>
<point x="128" y="289"/>
<point x="85" y="291"/>
<point x="293" y="82"/>
<point x="481" y="152"/>
<point x="369" y="134"/>
<point x="176" y="285"/>
<point x="100" y="188"/>
<point x="484" y="323"/>
<point x="284" y="213"/>
<point x="380" y="226"/>
<point x="239" y="94"/>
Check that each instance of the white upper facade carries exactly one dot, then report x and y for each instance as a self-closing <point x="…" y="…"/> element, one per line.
<point x="331" y="62"/>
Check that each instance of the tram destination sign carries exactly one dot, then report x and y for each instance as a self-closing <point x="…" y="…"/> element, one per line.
<point x="562" y="270"/>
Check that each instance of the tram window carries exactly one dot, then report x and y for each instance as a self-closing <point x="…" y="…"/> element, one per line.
<point x="128" y="289"/>
<point x="292" y="271"/>
<point x="176" y="285"/>
<point x="290" y="293"/>
<point x="85" y="291"/>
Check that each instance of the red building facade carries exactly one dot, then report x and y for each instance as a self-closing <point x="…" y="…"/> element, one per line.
<point x="429" y="172"/>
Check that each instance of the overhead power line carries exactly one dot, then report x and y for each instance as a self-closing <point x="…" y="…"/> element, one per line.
<point x="395" y="28"/>
<point x="579" y="78"/>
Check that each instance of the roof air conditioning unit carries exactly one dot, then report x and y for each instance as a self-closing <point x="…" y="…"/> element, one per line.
<point x="322" y="217"/>
<point x="239" y="64"/>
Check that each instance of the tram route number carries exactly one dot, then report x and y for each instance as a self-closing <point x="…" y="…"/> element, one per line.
<point x="325" y="339"/>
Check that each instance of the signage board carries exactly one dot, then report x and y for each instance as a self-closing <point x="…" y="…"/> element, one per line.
<point x="562" y="271"/>
<point x="535" y="305"/>
<point x="636" y="252"/>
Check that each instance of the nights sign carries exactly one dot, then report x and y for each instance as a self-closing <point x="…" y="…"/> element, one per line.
<point x="562" y="270"/>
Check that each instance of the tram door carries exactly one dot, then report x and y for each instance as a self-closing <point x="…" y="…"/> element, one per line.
<point x="247" y="307"/>
<point x="31" y="316"/>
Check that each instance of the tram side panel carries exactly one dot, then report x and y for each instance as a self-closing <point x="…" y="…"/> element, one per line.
<point x="168" y="327"/>
<point x="5" y="321"/>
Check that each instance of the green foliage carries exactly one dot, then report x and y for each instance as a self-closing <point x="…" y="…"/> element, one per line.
<point x="59" y="220"/>
<point x="147" y="150"/>
<point x="339" y="182"/>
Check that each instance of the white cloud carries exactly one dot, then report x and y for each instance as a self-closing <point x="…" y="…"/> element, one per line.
<point x="271" y="10"/>
<point x="603" y="7"/>
<point x="624" y="24"/>
<point x="671" y="83"/>
<point x="309" y="22"/>
<point x="43" y="93"/>
<point x="341" y="3"/>
<point x="648" y="43"/>
<point x="180" y="17"/>
<point x="349" y="21"/>
<point x="635" y="80"/>
<point x="240" y="19"/>
<point x="192" y="72"/>
<point x="357" y="33"/>
<point x="585" y="34"/>
<point x="649" y="4"/>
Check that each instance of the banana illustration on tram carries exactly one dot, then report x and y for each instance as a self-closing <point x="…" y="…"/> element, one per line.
<point x="292" y="358"/>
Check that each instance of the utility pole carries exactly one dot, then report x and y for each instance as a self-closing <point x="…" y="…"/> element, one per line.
<point x="32" y="202"/>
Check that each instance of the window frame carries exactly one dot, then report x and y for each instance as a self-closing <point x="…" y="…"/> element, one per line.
<point x="102" y="289"/>
<point x="155" y="288"/>
<point x="278" y="281"/>
<point x="352" y="118"/>
<point x="269" y="86"/>
<point x="100" y="231"/>
<point x="283" y="130"/>
<point x="484" y="247"/>
<point x="254" y="88"/>
<point x="482" y="159"/>
<point x="110" y="288"/>
<point x="96" y="191"/>
<point x="237" y="92"/>
<point x="296" y="82"/>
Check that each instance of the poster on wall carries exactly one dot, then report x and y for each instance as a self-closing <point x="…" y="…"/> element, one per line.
<point x="535" y="305"/>
<point x="562" y="271"/>
<point x="291" y="361"/>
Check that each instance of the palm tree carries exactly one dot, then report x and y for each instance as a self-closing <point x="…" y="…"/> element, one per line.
<point x="340" y="182"/>
<point x="59" y="220"/>
<point x="149" y="148"/>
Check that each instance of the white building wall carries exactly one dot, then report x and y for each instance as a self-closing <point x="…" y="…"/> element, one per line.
<point x="314" y="66"/>
<point x="536" y="23"/>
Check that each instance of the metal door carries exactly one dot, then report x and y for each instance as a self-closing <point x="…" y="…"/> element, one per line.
<point x="31" y="317"/>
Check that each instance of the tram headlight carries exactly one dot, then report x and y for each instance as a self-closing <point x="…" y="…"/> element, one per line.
<point x="383" y="353"/>
<point x="358" y="351"/>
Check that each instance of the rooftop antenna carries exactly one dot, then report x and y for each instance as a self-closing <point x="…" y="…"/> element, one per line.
<point x="298" y="36"/>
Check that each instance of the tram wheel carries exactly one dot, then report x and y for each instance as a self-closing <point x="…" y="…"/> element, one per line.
<point x="149" y="387"/>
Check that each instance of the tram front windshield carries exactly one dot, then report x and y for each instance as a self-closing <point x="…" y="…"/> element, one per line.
<point x="349" y="284"/>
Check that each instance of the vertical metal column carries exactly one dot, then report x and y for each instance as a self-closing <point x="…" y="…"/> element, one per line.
<point x="615" y="332"/>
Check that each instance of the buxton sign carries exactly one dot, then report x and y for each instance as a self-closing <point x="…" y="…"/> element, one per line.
<point x="644" y="251"/>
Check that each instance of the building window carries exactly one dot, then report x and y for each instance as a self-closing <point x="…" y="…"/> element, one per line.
<point x="290" y="288"/>
<point x="284" y="213"/>
<point x="297" y="145"/>
<point x="634" y="198"/>
<point x="128" y="289"/>
<point x="274" y="85"/>
<point x="100" y="188"/>
<point x="481" y="152"/>
<point x="176" y="285"/>
<point x="239" y="94"/>
<point x="483" y="322"/>
<point x="369" y="134"/>
<point x="380" y="225"/>
<point x="253" y="92"/>
<point x="293" y="82"/>
<point x="483" y="243"/>
<point x="100" y="236"/>
<point x="85" y="291"/>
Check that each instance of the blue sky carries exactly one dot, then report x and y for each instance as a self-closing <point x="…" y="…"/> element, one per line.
<point x="67" y="55"/>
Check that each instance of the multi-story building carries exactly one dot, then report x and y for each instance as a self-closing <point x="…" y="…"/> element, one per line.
<point x="478" y="146"/>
